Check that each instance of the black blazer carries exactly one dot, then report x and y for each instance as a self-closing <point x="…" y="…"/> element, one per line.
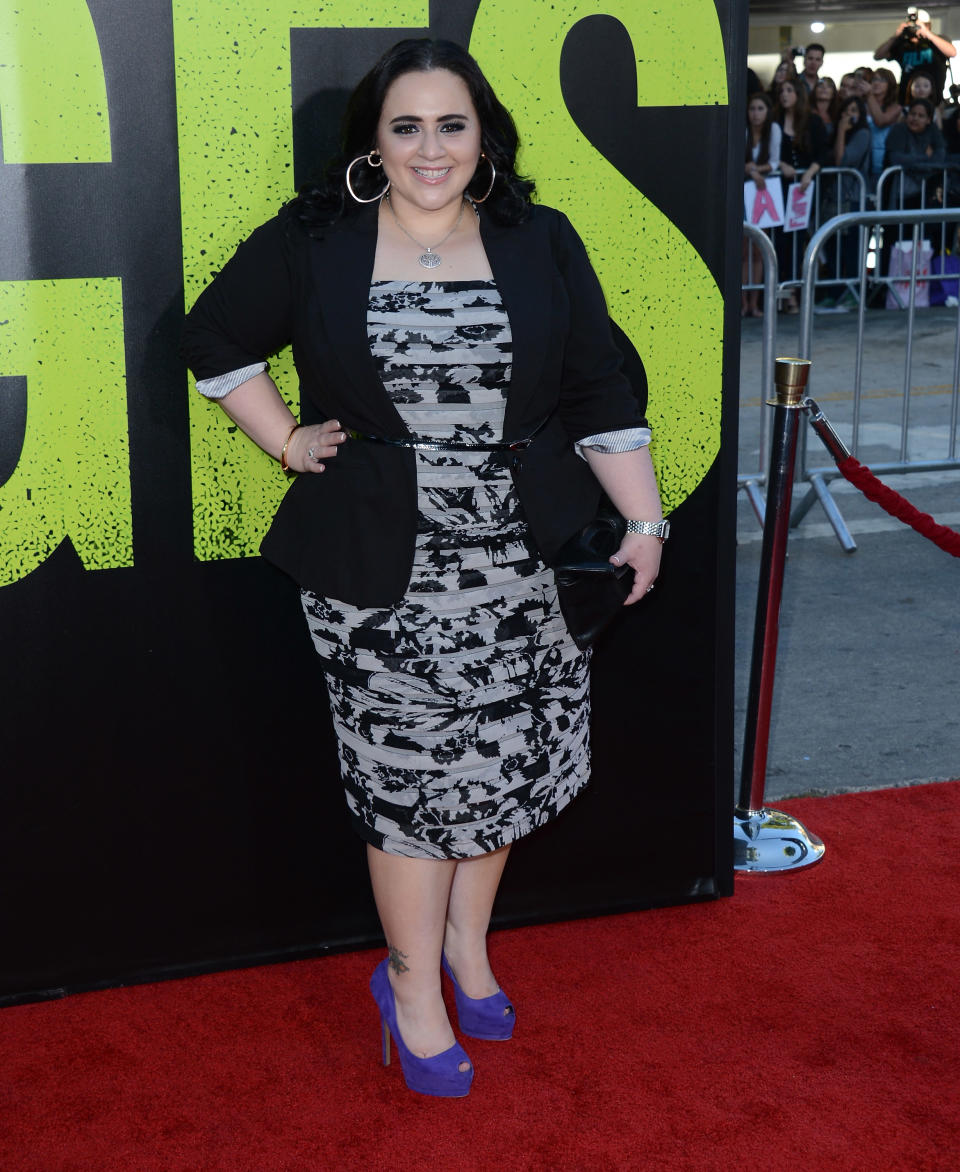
<point x="349" y="532"/>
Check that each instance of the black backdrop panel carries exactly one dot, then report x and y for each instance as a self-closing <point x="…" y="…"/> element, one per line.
<point x="171" y="799"/>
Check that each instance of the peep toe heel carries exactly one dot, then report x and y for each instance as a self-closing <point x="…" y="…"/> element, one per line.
<point x="490" y="1019"/>
<point x="438" y="1075"/>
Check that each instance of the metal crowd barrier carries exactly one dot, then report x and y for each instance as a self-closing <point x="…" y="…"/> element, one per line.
<point x="835" y="189"/>
<point x="935" y="186"/>
<point x="819" y="477"/>
<point x="753" y="482"/>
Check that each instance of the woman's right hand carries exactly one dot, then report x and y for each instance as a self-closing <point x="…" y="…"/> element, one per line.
<point x="310" y="446"/>
<point x="787" y="170"/>
<point x="754" y="173"/>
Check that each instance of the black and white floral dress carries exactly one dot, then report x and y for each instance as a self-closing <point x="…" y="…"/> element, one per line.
<point x="462" y="712"/>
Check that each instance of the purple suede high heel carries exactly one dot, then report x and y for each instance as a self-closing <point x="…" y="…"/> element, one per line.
<point x="438" y="1075"/>
<point x="489" y="1018"/>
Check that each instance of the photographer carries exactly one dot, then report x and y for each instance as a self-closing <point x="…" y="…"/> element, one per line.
<point x="913" y="46"/>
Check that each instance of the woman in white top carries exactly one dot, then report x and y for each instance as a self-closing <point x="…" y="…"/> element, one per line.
<point x="762" y="157"/>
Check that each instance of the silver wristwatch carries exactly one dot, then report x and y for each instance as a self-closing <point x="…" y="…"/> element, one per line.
<point x="659" y="529"/>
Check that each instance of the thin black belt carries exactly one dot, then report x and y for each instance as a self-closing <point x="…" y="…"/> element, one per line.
<point x="422" y="445"/>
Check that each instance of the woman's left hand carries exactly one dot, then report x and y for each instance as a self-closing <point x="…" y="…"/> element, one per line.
<point x="643" y="553"/>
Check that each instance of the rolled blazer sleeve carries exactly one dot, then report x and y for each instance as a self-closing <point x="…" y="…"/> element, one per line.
<point x="595" y="394"/>
<point x="246" y="313"/>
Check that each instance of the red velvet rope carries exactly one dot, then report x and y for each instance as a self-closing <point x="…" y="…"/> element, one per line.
<point x="875" y="490"/>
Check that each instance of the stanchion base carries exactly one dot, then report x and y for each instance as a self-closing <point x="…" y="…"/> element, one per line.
<point x="769" y="840"/>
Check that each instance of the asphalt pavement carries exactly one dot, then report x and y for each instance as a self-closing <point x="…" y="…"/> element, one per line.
<point x="867" y="690"/>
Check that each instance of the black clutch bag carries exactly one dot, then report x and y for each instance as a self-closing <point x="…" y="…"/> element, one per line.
<point x="592" y="590"/>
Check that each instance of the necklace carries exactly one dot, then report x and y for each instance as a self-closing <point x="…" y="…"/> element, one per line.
<point x="428" y="259"/>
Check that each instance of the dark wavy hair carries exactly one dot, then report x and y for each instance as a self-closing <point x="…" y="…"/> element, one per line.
<point x="861" y="113"/>
<point x="763" y="155"/>
<point x="908" y="96"/>
<point x="801" y="114"/>
<point x="322" y="202"/>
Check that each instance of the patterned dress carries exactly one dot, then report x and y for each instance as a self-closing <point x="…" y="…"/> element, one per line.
<point x="462" y="712"/>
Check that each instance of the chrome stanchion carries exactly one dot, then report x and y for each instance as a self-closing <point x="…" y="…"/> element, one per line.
<point x="765" y="839"/>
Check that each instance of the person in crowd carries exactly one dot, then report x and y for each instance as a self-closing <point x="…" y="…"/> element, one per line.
<point x="753" y="82"/>
<point x="785" y="71"/>
<point x="915" y="46"/>
<point x="804" y="149"/>
<point x="851" y="147"/>
<point x="883" y="110"/>
<point x="812" y="64"/>
<point x="951" y="133"/>
<point x="915" y="140"/>
<point x="848" y="86"/>
<point x="918" y="140"/>
<point x="920" y="87"/>
<point x="762" y="156"/>
<point x="418" y="283"/>
<point x="851" y="151"/>
<point x="826" y="104"/>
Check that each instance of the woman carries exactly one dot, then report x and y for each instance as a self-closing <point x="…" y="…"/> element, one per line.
<point x="851" y="150"/>
<point x="916" y="141"/>
<point x="803" y="151"/>
<point x="458" y="698"/>
<point x="762" y="157"/>
<point x="883" y="110"/>
<point x="785" y="71"/>
<point x="826" y="104"/>
<point x="920" y="87"/>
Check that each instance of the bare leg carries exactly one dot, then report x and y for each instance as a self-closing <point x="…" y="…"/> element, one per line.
<point x="468" y="917"/>
<point x="412" y="897"/>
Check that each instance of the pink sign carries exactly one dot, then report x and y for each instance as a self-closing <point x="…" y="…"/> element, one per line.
<point x="799" y="201"/>
<point x="763" y="206"/>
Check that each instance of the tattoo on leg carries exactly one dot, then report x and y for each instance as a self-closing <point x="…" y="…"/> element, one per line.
<point x="396" y="961"/>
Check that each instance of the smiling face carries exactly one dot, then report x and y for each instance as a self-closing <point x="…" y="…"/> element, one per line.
<point x="428" y="136"/>
<point x="921" y="87"/>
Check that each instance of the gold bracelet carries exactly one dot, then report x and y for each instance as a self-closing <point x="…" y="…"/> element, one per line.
<point x="284" y="466"/>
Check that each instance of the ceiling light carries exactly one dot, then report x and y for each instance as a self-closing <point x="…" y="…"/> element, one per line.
<point x="817" y="27"/>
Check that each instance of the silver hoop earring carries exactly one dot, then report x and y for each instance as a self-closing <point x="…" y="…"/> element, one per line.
<point x="493" y="179"/>
<point x="368" y="159"/>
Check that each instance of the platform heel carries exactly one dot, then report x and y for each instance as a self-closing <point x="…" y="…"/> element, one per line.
<point x="438" y="1075"/>
<point x="489" y="1018"/>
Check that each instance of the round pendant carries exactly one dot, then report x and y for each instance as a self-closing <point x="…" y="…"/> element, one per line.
<point x="430" y="260"/>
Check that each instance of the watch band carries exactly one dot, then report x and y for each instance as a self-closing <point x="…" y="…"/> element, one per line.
<point x="659" y="529"/>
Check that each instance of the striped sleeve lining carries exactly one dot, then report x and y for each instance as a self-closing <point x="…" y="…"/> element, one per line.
<point x="626" y="440"/>
<point x="223" y="384"/>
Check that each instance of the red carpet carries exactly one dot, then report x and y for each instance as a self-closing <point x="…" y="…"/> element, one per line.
<point x="811" y="1021"/>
